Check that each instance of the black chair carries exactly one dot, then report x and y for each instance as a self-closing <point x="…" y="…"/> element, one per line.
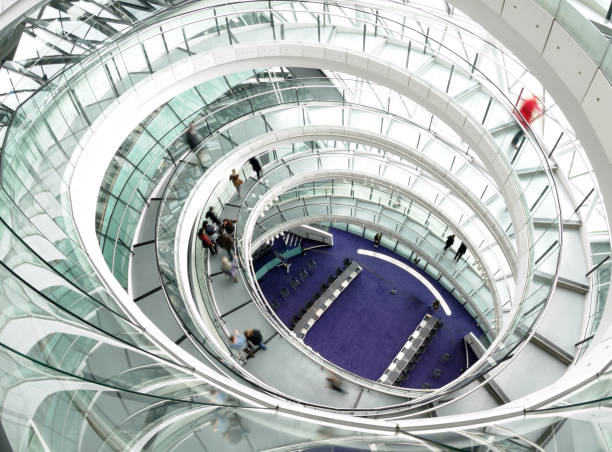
<point x="311" y="264"/>
<point x="303" y="274"/>
<point x="347" y="261"/>
<point x="330" y="279"/>
<point x="317" y="294"/>
<point x="294" y="282"/>
<point x="324" y="287"/>
<point x="436" y="374"/>
<point x="275" y="305"/>
<point x="445" y="358"/>
<point x="295" y="320"/>
<point x="284" y="293"/>
<point x="338" y="271"/>
<point x="310" y="304"/>
<point x="411" y="366"/>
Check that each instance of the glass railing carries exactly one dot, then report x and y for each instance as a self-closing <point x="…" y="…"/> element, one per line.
<point x="312" y="92"/>
<point x="430" y="231"/>
<point x="406" y="214"/>
<point x="74" y="253"/>
<point x="46" y="210"/>
<point x="476" y="298"/>
<point x="143" y="158"/>
<point x="248" y="128"/>
<point x="214" y="148"/>
<point x="393" y="218"/>
<point x="224" y="192"/>
<point x="112" y="74"/>
<point x="217" y="195"/>
<point x="536" y="298"/>
<point x="73" y="414"/>
<point x="535" y="198"/>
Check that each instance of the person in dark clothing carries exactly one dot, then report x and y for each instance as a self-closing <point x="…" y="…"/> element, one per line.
<point x="449" y="242"/>
<point x="212" y="216"/>
<point x="254" y="341"/>
<point x="211" y="231"/>
<point x="256" y="166"/>
<point x="334" y="382"/>
<point x="460" y="252"/>
<point x="192" y="137"/>
<point x="226" y="242"/>
<point x="228" y="226"/>
<point x="377" y="238"/>
<point x="206" y="241"/>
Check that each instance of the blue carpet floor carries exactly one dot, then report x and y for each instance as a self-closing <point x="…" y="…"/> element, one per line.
<point x="366" y="326"/>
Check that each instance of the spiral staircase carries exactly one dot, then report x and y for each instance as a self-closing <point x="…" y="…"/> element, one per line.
<point x="366" y="116"/>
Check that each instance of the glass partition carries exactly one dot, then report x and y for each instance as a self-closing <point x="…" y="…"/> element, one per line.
<point x="45" y="139"/>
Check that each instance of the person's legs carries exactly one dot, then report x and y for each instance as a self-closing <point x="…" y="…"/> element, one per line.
<point x="230" y="253"/>
<point x="238" y="191"/>
<point x="517" y="137"/>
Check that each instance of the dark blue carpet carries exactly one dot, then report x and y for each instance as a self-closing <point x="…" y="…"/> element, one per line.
<point x="366" y="326"/>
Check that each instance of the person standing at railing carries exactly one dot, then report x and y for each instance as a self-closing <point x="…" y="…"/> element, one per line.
<point x="230" y="268"/>
<point x="235" y="178"/>
<point x="212" y="216"/>
<point x="377" y="238"/>
<point x="449" y="242"/>
<point x="256" y="166"/>
<point x="228" y="226"/>
<point x="237" y="341"/>
<point x="254" y="342"/>
<point x="193" y="140"/>
<point x="226" y="242"/>
<point x="211" y="231"/>
<point x="206" y="241"/>
<point x="530" y="109"/>
<point x="334" y="382"/>
<point x="460" y="252"/>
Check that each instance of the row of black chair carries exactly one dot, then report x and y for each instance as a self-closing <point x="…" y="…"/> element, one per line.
<point x="437" y="373"/>
<point x="294" y="282"/>
<point x="296" y="318"/>
<point x="303" y="275"/>
<point x="332" y="278"/>
<point x="417" y="356"/>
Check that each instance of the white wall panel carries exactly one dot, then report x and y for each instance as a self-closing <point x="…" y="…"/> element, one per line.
<point x="529" y="20"/>
<point x="597" y="104"/>
<point x="573" y="64"/>
<point x="495" y="5"/>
